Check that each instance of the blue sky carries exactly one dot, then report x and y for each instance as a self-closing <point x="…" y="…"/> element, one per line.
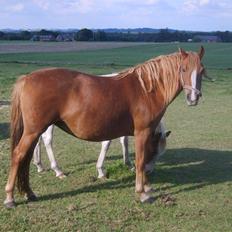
<point x="206" y="15"/>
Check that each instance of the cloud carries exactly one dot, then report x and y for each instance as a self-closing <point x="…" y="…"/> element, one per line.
<point x="204" y="2"/>
<point x="211" y="7"/>
<point x="86" y="6"/>
<point x="151" y="2"/>
<point x="64" y="7"/>
<point x="18" y="7"/>
<point x="81" y="6"/>
<point x="191" y="6"/>
<point x="180" y="14"/>
<point x="43" y="4"/>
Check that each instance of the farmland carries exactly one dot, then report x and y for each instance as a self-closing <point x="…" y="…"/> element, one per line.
<point x="193" y="180"/>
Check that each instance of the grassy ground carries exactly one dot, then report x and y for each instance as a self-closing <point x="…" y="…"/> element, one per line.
<point x="193" y="180"/>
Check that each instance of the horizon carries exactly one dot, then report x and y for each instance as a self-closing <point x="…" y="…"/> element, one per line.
<point x="115" y="28"/>
<point x="187" y="15"/>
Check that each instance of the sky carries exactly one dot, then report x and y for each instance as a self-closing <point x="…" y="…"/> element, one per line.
<point x="196" y="15"/>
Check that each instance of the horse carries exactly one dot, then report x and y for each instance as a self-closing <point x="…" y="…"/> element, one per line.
<point x="47" y="138"/>
<point x="96" y="108"/>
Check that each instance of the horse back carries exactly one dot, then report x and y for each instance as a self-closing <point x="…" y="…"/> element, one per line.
<point x="91" y="107"/>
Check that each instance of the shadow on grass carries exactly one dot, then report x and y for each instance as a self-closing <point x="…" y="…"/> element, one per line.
<point x="109" y="184"/>
<point x="178" y="167"/>
<point x="4" y="130"/>
<point x="4" y="103"/>
<point x="108" y="157"/>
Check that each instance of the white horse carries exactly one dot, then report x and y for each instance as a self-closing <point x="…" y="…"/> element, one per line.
<point x="47" y="138"/>
<point x="160" y="136"/>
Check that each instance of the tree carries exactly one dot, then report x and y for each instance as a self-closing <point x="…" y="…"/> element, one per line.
<point x="84" y="35"/>
<point x="100" y="36"/>
<point x="2" y="34"/>
<point x="164" y="36"/>
<point x="47" y="32"/>
<point x="26" y="35"/>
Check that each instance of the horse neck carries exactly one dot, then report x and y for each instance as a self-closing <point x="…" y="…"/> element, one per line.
<point x="169" y="87"/>
<point x="160" y="75"/>
<point x="172" y="93"/>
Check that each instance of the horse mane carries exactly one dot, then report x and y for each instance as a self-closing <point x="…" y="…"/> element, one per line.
<point x="161" y="73"/>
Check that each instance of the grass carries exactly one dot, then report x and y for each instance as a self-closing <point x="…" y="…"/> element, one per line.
<point x="193" y="179"/>
<point x="218" y="56"/>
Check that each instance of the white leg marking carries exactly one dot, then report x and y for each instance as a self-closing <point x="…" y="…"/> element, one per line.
<point x="125" y="152"/>
<point x="101" y="158"/>
<point x="37" y="156"/>
<point x="47" y="137"/>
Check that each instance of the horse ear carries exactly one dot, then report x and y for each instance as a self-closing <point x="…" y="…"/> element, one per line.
<point x="201" y="52"/>
<point x="167" y="133"/>
<point x="183" y="53"/>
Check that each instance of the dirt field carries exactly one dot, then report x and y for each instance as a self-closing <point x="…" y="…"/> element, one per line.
<point x="21" y="47"/>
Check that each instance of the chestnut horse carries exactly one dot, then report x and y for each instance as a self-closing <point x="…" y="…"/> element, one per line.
<point x="97" y="108"/>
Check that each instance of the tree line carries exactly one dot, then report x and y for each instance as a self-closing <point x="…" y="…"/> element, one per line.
<point x="164" y="35"/>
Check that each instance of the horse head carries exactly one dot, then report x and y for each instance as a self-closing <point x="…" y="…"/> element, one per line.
<point x="191" y="72"/>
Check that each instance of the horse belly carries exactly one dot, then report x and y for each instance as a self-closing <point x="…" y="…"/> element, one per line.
<point x="99" y="129"/>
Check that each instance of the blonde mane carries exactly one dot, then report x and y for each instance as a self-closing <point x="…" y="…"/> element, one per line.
<point x="162" y="72"/>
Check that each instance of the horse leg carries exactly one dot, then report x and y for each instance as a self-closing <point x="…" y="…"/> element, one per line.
<point x="126" y="158"/>
<point x="37" y="157"/>
<point x="141" y="183"/>
<point x="104" y="148"/>
<point x="47" y="139"/>
<point x="20" y="163"/>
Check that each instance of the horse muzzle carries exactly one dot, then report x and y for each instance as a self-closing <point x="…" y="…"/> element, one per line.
<point x="193" y="97"/>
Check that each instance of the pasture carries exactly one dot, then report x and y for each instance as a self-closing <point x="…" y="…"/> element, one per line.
<point x="193" y="180"/>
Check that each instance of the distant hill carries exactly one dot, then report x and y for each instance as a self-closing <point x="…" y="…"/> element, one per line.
<point x="8" y="30"/>
<point x="107" y="30"/>
<point x="130" y="30"/>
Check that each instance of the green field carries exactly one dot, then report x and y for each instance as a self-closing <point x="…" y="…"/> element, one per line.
<point x="193" y="180"/>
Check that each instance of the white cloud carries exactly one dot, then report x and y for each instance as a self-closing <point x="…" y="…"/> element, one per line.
<point x="204" y="2"/>
<point x="43" y="4"/>
<point x="18" y="7"/>
<point x="86" y="6"/>
<point x="180" y="14"/>
<point x="190" y="6"/>
<point x="81" y="6"/>
<point x="63" y="7"/>
<point x="151" y="2"/>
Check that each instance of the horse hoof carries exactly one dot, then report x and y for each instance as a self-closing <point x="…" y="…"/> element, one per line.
<point x="150" y="200"/>
<point x="103" y="177"/>
<point x="148" y="189"/>
<point x="9" y="204"/>
<point x="40" y="170"/>
<point x="61" y="176"/>
<point x="146" y="198"/>
<point x="31" y="198"/>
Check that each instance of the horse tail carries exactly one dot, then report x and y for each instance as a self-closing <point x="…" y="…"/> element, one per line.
<point x="16" y="115"/>
<point x="17" y="128"/>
